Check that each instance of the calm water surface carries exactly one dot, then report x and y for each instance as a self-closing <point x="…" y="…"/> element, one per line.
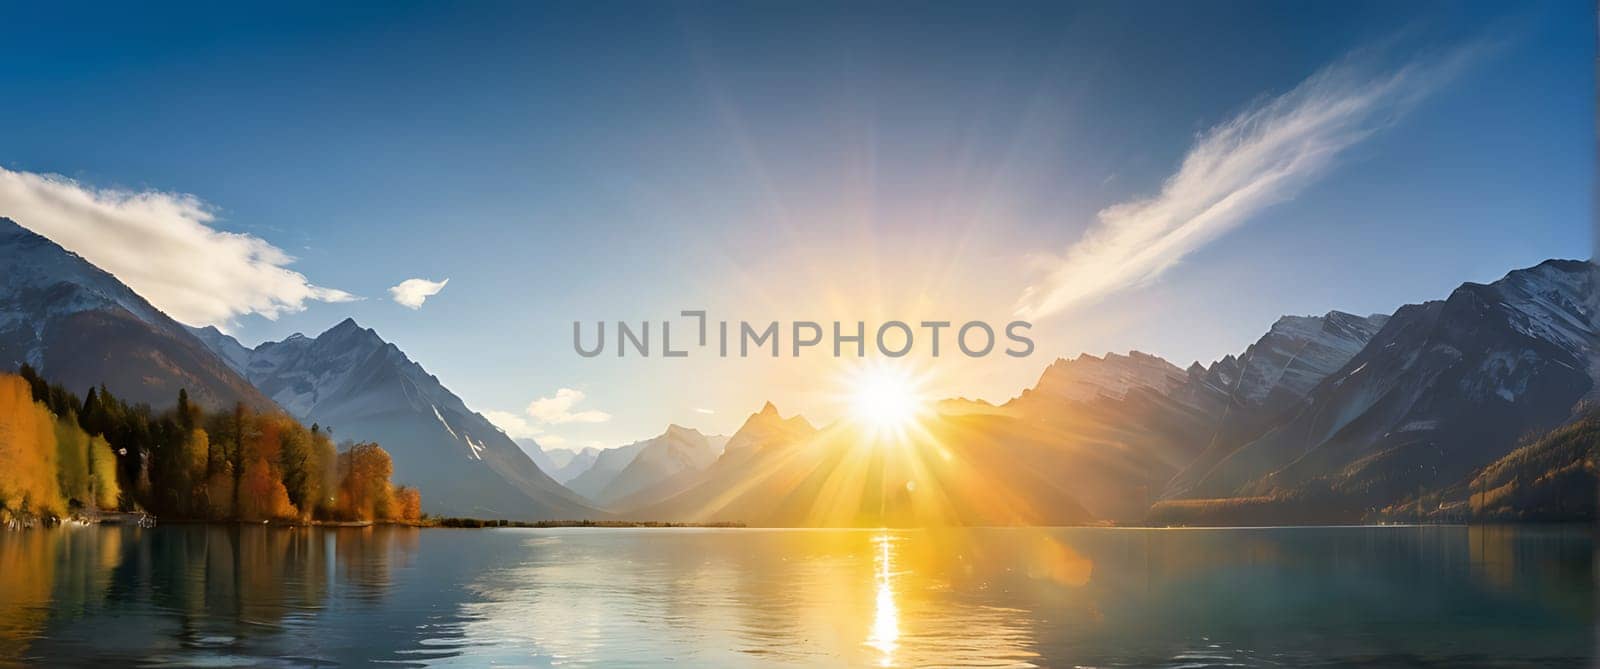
<point x="231" y="596"/>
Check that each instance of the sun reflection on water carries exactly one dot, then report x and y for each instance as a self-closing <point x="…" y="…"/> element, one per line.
<point x="885" y="634"/>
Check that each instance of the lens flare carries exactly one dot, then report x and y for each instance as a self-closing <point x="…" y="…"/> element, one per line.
<point x="886" y="400"/>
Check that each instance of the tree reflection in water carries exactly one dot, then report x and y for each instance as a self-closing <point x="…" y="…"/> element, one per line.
<point x="196" y="589"/>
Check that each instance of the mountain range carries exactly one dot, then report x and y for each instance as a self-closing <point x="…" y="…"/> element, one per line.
<point x="362" y="388"/>
<point x="561" y="464"/>
<point x="967" y="470"/>
<point x="1330" y="418"/>
<point x="1337" y="417"/>
<point x="1442" y="390"/>
<point x="634" y="471"/>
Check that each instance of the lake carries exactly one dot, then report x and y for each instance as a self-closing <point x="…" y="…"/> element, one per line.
<point x="219" y="595"/>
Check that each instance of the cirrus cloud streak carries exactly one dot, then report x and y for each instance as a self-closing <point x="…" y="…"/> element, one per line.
<point x="1264" y="155"/>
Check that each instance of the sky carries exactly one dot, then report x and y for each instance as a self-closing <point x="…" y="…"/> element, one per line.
<point x="468" y="179"/>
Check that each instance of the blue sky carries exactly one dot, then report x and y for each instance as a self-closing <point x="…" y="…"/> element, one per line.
<point x="817" y="161"/>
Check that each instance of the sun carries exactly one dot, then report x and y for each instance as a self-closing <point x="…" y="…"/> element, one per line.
<point x="886" y="399"/>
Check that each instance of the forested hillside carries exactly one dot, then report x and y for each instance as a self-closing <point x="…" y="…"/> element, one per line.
<point x="1553" y="477"/>
<point x="61" y="456"/>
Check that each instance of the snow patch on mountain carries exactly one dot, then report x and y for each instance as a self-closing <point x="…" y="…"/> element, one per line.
<point x="351" y="380"/>
<point x="476" y="449"/>
<point x="442" y="421"/>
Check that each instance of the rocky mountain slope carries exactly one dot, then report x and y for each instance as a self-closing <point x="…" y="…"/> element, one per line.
<point x="678" y="451"/>
<point x="81" y="327"/>
<point x="1269" y="380"/>
<point x="351" y="381"/>
<point x="1443" y="389"/>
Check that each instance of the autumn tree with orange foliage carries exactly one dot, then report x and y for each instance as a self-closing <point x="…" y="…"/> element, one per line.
<point x="364" y="492"/>
<point x="29" y="483"/>
<point x="261" y="494"/>
<point x="407" y="504"/>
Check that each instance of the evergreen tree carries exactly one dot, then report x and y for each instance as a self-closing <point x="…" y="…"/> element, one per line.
<point x="184" y="419"/>
<point x="89" y="415"/>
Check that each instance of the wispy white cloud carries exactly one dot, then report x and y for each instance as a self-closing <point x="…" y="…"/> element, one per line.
<point x="707" y="412"/>
<point x="162" y="246"/>
<point x="513" y="424"/>
<point x="411" y="293"/>
<point x="1264" y="155"/>
<point x="557" y="409"/>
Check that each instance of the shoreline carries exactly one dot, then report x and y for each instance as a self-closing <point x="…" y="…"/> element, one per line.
<point x="150" y="521"/>
<point x="477" y="524"/>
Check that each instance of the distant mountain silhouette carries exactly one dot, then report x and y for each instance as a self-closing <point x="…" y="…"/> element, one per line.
<point x="608" y="463"/>
<point x="561" y="464"/>
<point x="680" y="450"/>
<point x="784" y="472"/>
<point x="569" y="464"/>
